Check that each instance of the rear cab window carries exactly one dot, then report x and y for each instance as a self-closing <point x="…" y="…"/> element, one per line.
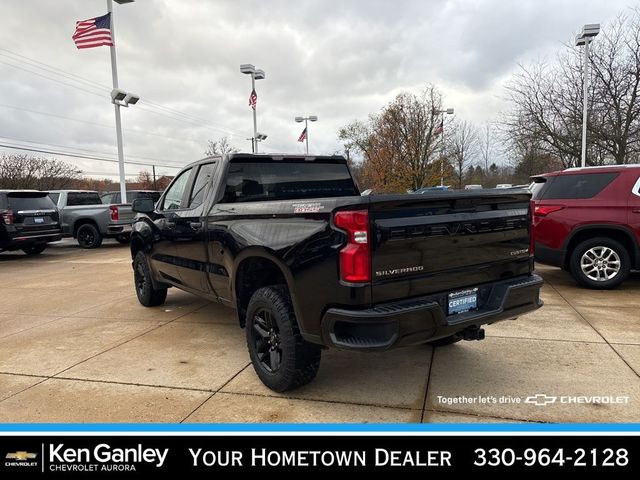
<point x="573" y="186"/>
<point x="83" y="198"/>
<point x="287" y="180"/>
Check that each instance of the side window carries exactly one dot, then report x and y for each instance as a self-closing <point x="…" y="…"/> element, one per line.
<point x="578" y="186"/>
<point x="54" y="197"/>
<point x="173" y="198"/>
<point x="200" y="184"/>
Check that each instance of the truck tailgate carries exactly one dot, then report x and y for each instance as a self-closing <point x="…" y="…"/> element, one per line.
<point x="430" y="243"/>
<point x="125" y="213"/>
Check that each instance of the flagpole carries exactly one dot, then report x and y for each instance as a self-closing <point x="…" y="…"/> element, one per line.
<point x="306" y="136"/>
<point x="114" y="76"/>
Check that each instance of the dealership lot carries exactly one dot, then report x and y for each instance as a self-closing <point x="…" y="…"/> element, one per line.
<point x="75" y="346"/>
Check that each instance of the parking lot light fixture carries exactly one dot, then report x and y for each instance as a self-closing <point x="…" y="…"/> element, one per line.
<point x="256" y="74"/>
<point x="116" y="93"/>
<point x="584" y="39"/>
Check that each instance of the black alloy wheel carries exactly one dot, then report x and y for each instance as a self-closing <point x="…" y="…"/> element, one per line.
<point x="146" y="293"/>
<point x="267" y="340"/>
<point x="88" y="236"/>
<point x="281" y="357"/>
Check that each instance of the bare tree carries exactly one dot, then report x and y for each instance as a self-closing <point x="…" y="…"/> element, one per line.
<point x="27" y="172"/>
<point x="547" y="108"/>
<point x="486" y="146"/>
<point x="145" y="179"/>
<point x="547" y="99"/>
<point x="463" y="148"/>
<point x="615" y="62"/>
<point x="219" y="147"/>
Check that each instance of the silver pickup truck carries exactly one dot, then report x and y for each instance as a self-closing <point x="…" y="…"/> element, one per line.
<point x="84" y="217"/>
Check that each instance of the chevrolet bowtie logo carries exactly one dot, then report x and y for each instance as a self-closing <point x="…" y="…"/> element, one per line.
<point x="540" y="399"/>
<point x="22" y="456"/>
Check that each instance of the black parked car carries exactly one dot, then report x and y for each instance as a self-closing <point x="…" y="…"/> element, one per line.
<point x="28" y="221"/>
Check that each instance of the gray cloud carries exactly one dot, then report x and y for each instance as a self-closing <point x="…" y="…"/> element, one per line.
<point x="338" y="59"/>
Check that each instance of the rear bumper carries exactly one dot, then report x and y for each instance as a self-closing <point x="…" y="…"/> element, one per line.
<point x="115" y="229"/>
<point x="20" y="240"/>
<point x="420" y="320"/>
<point x="549" y="256"/>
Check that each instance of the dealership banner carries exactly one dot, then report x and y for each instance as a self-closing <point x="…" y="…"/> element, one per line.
<point x="202" y="455"/>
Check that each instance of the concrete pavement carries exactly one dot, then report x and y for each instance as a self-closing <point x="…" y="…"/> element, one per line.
<point x="75" y="346"/>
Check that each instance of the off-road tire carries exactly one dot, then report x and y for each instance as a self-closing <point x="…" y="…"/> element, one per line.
<point x="147" y="295"/>
<point x="299" y="360"/>
<point x="88" y="236"/>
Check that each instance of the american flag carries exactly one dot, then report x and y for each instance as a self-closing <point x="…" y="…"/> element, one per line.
<point x="439" y="129"/>
<point x="94" y="32"/>
<point x="303" y="135"/>
<point x="253" y="99"/>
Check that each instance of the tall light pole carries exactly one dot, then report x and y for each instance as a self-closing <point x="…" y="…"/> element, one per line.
<point x="584" y="39"/>
<point x="448" y="111"/>
<point x="256" y="74"/>
<point x="310" y="118"/>
<point x="114" y="77"/>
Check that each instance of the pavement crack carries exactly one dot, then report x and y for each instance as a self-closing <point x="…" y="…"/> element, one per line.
<point x="211" y="396"/>
<point x="426" y="391"/>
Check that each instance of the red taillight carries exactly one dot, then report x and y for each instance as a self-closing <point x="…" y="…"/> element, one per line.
<point x="542" y="210"/>
<point x="355" y="257"/>
<point x="7" y="217"/>
<point x="115" y="216"/>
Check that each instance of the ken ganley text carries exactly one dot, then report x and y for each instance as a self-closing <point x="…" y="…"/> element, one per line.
<point x="103" y="457"/>
<point x="262" y="457"/>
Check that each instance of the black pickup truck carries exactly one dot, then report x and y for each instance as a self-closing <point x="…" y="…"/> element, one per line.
<point x="308" y="263"/>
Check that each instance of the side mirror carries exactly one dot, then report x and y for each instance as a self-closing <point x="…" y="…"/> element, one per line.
<point x="143" y="205"/>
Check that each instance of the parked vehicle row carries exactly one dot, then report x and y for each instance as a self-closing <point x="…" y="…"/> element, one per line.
<point x="29" y="219"/>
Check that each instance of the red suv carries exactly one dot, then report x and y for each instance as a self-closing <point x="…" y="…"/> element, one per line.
<point x="587" y="221"/>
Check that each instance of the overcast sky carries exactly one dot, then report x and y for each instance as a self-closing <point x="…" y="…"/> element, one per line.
<point x="340" y="60"/>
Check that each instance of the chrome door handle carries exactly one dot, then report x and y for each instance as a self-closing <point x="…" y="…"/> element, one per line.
<point x="195" y="225"/>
